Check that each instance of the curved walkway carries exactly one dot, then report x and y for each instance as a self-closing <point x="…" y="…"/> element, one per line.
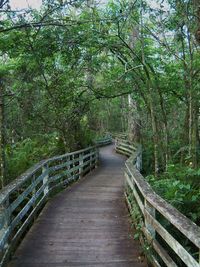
<point x="84" y="225"/>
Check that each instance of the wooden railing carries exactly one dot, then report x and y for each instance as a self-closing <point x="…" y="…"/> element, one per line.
<point x="122" y="136"/>
<point x="154" y="210"/>
<point x="103" y="141"/>
<point x="123" y="147"/>
<point x="21" y="200"/>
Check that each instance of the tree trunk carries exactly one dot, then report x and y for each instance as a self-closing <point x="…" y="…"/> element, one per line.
<point x="197" y="15"/>
<point x="165" y="128"/>
<point x="134" y="124"/>
<point x="2" y="136"/>
<point x="193" y="131"/>
<point x="155" y="134"/>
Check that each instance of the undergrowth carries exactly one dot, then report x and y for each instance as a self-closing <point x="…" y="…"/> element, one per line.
<point x="24" y="154"/>
<point x="179" y="186"/>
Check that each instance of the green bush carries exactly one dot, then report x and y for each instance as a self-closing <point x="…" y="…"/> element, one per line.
<point x="180" y="187"/>
<point x="26" y="153"/>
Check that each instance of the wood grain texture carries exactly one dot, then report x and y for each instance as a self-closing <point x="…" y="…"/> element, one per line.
<point x="85" y="225"/>
<point x="150" y="203"/>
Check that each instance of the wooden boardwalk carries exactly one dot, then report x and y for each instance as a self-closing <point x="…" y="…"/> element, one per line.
<point x="84" y="225"/>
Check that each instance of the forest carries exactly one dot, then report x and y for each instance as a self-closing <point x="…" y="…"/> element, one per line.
<point x="74" y="70"/>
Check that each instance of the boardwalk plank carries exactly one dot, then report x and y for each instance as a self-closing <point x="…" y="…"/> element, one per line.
<point x="85" y="225"/>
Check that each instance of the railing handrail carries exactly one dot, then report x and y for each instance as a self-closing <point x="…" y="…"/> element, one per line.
<point x="8" y="189"/>
<point x="153" y="202"/>
<point x="104" y="141"/>
<point x="22" y="199"/>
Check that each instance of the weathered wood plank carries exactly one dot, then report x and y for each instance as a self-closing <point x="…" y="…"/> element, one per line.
<point x="68" y="172"/>
<point x="171" y="241"/>
<point x="159" y="249"/>
<point x="26" y="208"/>
<point x="13" y="186"/>
<point x="153" y="203"/>
<point x="27" y="191"/>
<point x="28" y="183"/>
<point x="85" y="225"/>
<point x="21" y="231"/>
<point x="139" y="201"/>
<point x="181" y="222"/>
<point x="103" y="142"/>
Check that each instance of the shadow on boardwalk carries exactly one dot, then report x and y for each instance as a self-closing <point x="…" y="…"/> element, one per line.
<point x="84" y="225"/>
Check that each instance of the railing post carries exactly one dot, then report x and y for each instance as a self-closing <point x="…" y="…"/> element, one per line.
<point x="80" y="165"/>
<point x="90" y="160"/>
<point x="151" y="210"/>
<point x="46" y="179"/>
<point x="68" y="169"/>
<point x="33" y="194"/>
<point x="4" y="220"/>
<point x="73" y="166"/>
<point x="139" y="162"/>
<point x="96" y="157"/>
<point x="116" y="143"/>
<point x="199" y="256"/>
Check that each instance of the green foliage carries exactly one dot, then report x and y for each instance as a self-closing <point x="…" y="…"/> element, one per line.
<point x="26" y="153"/>
<point x="180" y="187"/>
<point x="147" y="158"/>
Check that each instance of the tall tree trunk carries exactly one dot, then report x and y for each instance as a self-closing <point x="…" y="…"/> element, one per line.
<point x="2" y="136"/>
<point x="134" y="124"/>
<point x="150" y="94"/>
<point x="197" y="15"/>
<point x="193" y="104"/>
<point x="123" y="114"/>
<point x="193" y="130"/>
<point x="165" y="128"/>
<point x="155" y="133"/>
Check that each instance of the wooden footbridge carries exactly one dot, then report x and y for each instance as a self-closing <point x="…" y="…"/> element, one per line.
<point x="87" y="222"/>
